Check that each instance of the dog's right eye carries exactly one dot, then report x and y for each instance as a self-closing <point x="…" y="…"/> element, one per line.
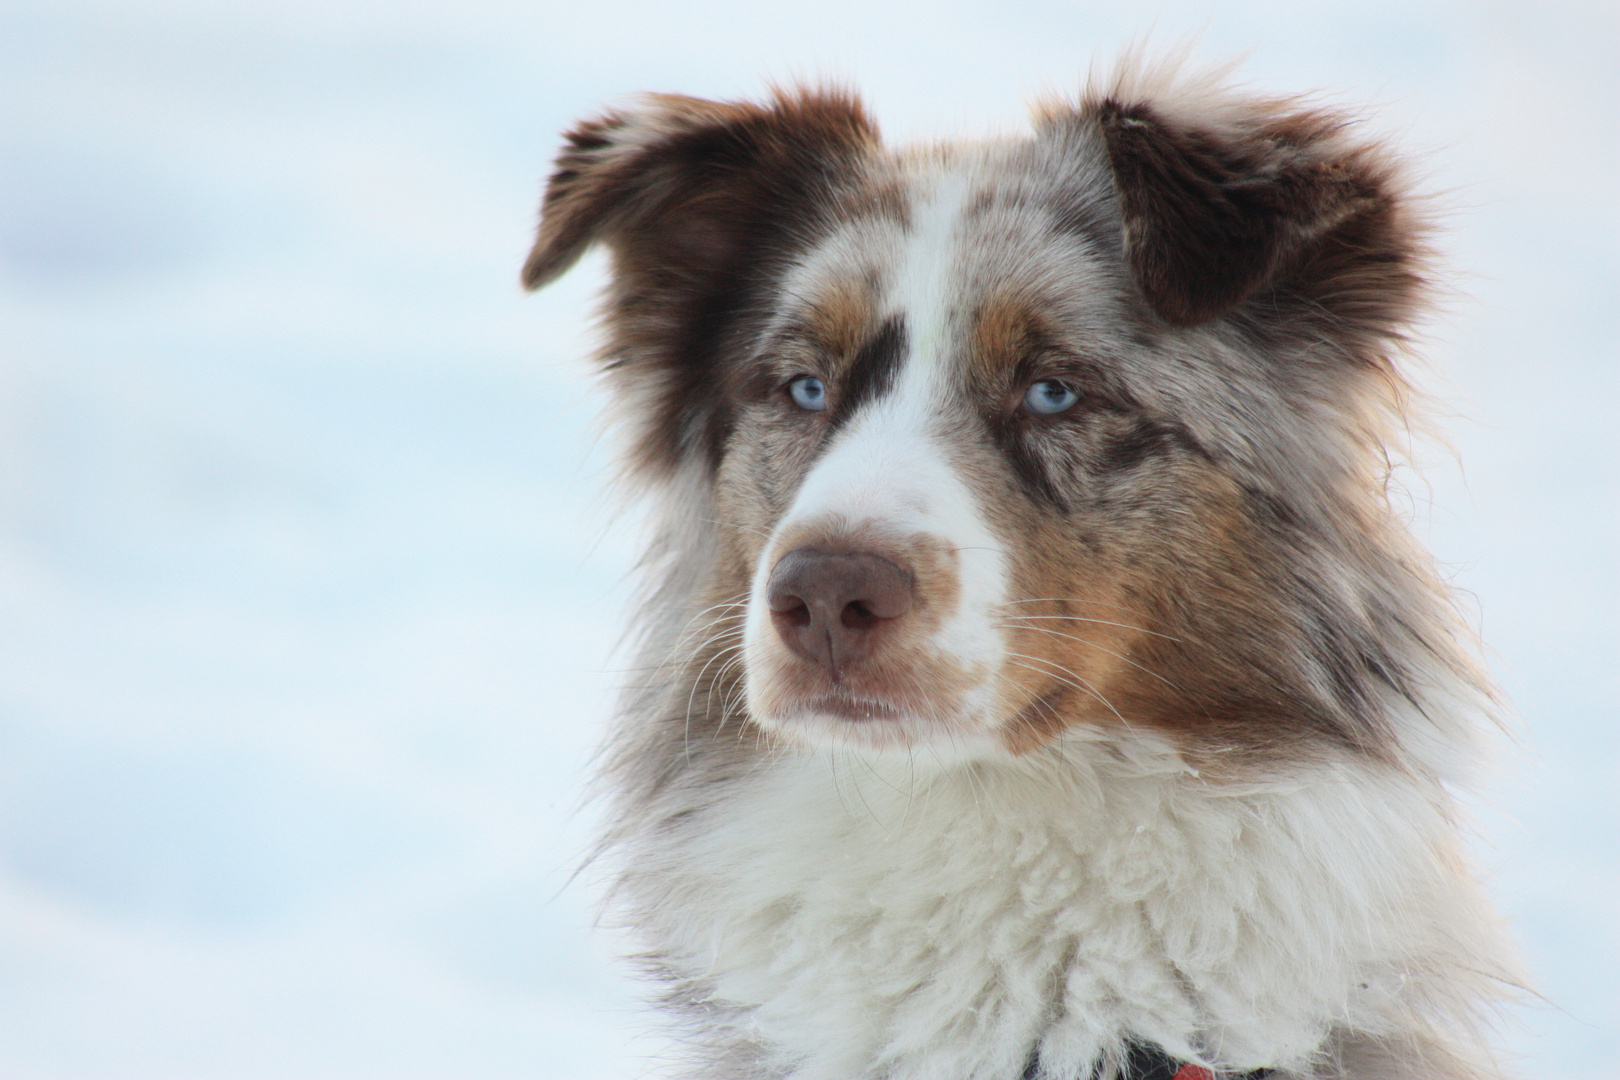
<point x="808" y="393"/>
<point x="1049" y="397"/>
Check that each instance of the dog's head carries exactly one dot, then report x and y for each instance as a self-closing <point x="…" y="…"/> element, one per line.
<point x="991" y="442"/>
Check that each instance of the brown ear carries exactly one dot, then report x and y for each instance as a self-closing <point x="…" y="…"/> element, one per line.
<point x="690" y="177"/>
<point x="702" y="205"/>
<point x="1251" y="196"/>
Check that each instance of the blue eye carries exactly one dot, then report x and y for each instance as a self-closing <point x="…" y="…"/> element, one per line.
<point x="1049" y="397"/>
<point x="808" y="393"/>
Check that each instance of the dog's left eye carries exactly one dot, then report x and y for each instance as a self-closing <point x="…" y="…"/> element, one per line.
<point x="808" y="392"/>
<point x="1050" y="397"/>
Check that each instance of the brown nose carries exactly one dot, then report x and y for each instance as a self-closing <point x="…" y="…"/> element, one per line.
<point x="828" y="607"/>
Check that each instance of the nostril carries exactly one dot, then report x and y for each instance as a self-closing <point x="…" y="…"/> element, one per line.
<point x="827" y="607"/>
<point x="857" y="616"/>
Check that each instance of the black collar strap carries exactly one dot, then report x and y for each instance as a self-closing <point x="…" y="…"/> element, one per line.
<point x="1144" y="1062"/>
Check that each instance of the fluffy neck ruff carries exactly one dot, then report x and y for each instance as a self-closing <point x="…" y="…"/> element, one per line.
<point x="830" y="917"/>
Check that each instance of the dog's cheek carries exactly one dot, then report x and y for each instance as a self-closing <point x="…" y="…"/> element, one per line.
<point x="1102" y="627"/>
<point x="1070" y="627"/>
<point x="1217" y="663"/>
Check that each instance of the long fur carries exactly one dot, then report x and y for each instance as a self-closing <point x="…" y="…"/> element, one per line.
<point x="1163" y="751"/>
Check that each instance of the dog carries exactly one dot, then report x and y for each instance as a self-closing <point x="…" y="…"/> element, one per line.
<point x="1038" y="683"/>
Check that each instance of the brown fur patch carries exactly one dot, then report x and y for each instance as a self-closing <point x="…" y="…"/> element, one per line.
<point x="842" y="318"/>
<point x="1008" y="332"/>
<point x="1196" y="635"/>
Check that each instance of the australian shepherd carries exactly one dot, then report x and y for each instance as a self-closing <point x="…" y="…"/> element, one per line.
<point x="1038" y="682"/>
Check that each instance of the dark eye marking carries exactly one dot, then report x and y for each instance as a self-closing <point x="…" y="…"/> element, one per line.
<point x="1131" y="447"/>
<point x="871" y="374"/>
<point x="1034" y="474"/>
<point x="1145" y="439"/>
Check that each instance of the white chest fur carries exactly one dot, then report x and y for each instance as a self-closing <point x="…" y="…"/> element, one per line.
<point x="878" y="918"/>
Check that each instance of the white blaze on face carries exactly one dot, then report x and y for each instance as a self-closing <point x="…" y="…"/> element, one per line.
<point x="889" y="472"/>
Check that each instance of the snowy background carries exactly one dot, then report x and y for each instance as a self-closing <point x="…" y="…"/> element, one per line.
<point x="308" y="596"/>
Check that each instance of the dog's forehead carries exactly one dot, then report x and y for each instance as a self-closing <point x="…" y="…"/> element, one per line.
<point x="966" y="239"/>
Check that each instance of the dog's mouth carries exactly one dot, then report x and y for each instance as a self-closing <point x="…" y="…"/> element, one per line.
<point x="887" y="705"/>
<point x="869" y="724"/>
<point x="850" y="708"/>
